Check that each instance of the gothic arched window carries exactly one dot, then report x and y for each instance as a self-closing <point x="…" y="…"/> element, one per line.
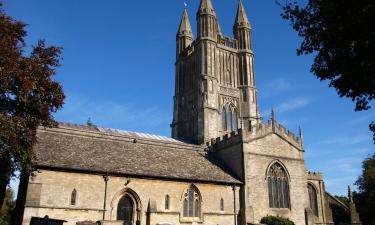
<point x="73" y="197"/>
<point x="229" y="118"/>
<point x="313" y="199"/>
<point x="278" y="187"/>
<point x="221" y="204"/>
<point x="167" y="202"/>
<point x="125" y="210"/>
<point x="224" y="119"/>
<point x="191" y="203"/>
<point x="234" y="119"/>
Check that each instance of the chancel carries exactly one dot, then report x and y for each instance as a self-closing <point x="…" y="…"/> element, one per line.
<point x="223" y="164"/>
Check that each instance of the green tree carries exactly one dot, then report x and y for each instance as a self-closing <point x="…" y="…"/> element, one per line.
<point x="341" y="35"/>
<point x="7" y="207"/>
<point x="28" y="97"/>
<point x="276" y="220"/>
<point x="342" y="199"/>
<point x="365" y="197"/>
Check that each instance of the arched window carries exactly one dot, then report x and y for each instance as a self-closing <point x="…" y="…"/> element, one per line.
<point x="192" y="203"/>
<point x="221" y="204"/>
<point x="278" y="187"/>
<point x="73" y="197"/>
<point x="224" y="119"/>
<point x="125" y="210"/>
<point x="167" y="202"/>
<point x="229" y="118"/>
<point x="234" y="119"/>
<point x="313" y="199"/>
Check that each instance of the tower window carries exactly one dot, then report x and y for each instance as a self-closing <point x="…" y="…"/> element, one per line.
<point x="167" y="202"/>
<point x="278" y="187"/>
<point x="229" y="118"/>
<point x="192" y="203"/>
<point x="313" y="199"/>
<point x="224" y="119"/>
<point x="221" y="204"/>
<point x="73" y="197"/>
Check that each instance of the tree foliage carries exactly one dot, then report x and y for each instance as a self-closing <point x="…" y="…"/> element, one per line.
<point x="276" y="220"/>
<point x="28" y="96"/>
<point x="6" y="209"/>
<point x="341" y="35"/>
<point x="365" y="197"/>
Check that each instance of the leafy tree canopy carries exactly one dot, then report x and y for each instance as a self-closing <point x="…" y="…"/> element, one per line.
<point x="28" y="96"/>
<point x="276" y="220"/>
<point x="341" y="34"/>
<point x="7" y="207"/>
<point x="365" y="197"/>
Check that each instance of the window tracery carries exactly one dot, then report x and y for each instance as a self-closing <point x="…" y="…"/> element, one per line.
<point x="278" y="187"/>
<point x="191" y="203"/>
<point x="229" y="118"/>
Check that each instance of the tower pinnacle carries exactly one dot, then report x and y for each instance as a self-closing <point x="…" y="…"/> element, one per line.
<point x="206" y="7"/>
<point x="185" y="27"/>
<point x="241" y="17"/>
<point x="184" y="35"/>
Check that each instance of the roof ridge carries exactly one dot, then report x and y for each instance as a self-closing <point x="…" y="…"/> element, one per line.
<point x="114" y="131"/>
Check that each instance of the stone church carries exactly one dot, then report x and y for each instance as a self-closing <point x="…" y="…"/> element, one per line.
<point x="223" y="165"/>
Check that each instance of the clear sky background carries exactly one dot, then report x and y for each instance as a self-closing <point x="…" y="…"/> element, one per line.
<point x="118" y="69"/>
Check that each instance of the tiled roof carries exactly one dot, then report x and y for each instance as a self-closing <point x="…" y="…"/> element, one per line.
<point x="88" y="148"/>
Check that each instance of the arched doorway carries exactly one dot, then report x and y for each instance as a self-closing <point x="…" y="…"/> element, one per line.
<point x="126" y="206"/>
<point x="125" y="210"/>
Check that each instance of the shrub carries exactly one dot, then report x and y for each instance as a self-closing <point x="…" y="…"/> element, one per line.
<point x="276" y="220"/>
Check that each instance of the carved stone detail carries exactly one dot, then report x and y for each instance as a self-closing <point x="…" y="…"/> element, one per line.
<point x="229" y="91"/>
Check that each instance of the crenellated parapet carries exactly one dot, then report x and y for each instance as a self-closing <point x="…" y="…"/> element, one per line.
<point x="227" y="41"/>
<point x="229" y="139"/>
<point x="314" y="175"/>
<point x="262" y="129"/>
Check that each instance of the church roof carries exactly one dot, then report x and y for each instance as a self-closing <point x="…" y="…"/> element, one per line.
<point x="103" y="150"/>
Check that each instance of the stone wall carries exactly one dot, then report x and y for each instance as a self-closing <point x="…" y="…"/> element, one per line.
<point x="50" y="191"/>
<point x="259" y="155"/>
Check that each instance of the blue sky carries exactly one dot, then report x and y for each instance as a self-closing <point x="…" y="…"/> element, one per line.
<point x="118" y="69"/>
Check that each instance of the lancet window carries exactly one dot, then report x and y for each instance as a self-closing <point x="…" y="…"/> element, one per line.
<point x="73" y="197"/>
<point x="313" y="199"/>
<point x="229" y="119"/>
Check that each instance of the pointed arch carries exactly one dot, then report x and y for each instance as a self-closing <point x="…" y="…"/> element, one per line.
<point x="234" y="119"/>
<point x="167" y="202"/>
<point x="223" y="119"/>
<point x="229" y="117"/>
<point x="129" y="200"/>
<point x="278" y="185"/>
<point x="192" y="201"/>
<point x="313" y="200"/>
<point x="280" y="164"/>
<point x="73" y="197"/>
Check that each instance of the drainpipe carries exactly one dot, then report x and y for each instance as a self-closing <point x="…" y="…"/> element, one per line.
<point x="234" y="204"/>
<point x="106" y="178"/>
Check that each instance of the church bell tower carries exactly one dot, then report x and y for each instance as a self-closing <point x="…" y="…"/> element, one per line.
<point x="215" y="90"/>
